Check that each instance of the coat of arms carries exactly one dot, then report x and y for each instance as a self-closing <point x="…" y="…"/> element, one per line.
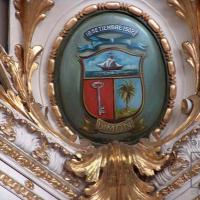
<point x="112" y="88"/>
<point x="111" y="79"/>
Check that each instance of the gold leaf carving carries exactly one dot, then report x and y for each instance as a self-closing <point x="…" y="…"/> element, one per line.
<point x="14" y="91"/>
<point x="17" y="92"/>
<point x="7" y="123"/>
<point x="35" y="168"/>
<point x="30" y="13"/>
<point x="180" y="11"/>
<point x="17" y="188"/>
<point x="113" y="171"/>
<point x="40" y="153"/>
<point x="189" y="10"/>
<point x="193" y="60"/>
<point x="110" y="172"/>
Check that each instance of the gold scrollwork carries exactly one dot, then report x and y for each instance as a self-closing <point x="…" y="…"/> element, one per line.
<point x="7" y="126"/>
<point x="190" y="11"/>
<point x="117" y="156"/>
<point x="109" y="170"/>
<point x="16" y="92"/>
<point x="17" y="89"/>
<point x="113" y="171"/>
<point x="40" y="153"/>
<point x="96" y="190"/>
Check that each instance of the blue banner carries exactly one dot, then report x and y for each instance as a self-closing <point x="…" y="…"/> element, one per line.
<point x="126" y="38"/>
<point x="110" y="28"/>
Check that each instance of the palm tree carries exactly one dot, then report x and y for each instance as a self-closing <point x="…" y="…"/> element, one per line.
<point x="127" y="92"/>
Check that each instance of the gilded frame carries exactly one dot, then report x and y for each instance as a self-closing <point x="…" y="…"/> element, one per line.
<point x="16" y="93"/>
<point x="135" y="12"/>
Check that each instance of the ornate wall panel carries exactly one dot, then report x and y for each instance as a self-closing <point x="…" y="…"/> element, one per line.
<point x="100" y="100"/>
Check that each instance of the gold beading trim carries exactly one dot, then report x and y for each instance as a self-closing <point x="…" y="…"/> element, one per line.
<point x="29" y="184"/>
<point x="136" y="12"/>
<point x="35" y="168"/>
<point x="17" y="187"/>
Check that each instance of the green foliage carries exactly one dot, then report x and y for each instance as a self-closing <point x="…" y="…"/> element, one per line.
<point x="127" y="92"/>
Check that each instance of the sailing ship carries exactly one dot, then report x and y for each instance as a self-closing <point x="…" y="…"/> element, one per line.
<point x="110" y="64"/>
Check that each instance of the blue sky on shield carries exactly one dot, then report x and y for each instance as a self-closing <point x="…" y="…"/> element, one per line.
<point x="136" y="100"/>
<point x="128" y="61"/>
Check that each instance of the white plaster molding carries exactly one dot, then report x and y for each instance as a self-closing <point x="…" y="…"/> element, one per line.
<point x="43" y="187"/>
<point x="187" y="155"/>
<point x="175" y="30"/>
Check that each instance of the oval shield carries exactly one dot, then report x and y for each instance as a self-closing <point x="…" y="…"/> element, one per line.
<point x="111" y="79"/>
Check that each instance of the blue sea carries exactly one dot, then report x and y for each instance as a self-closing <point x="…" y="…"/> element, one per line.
<point x="113" y="73"/>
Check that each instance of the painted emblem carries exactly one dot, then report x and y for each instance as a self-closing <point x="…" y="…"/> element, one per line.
<point x="112" y="84"/>
<point x="112" y="78"/>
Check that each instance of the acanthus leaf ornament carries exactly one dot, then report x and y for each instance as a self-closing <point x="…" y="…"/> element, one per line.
<point x="29" y="15"/>
<point x="193" y="116"/>
<point x="182" y="167"/>
<point x="142" y="162"/>
<point x="8" y="91"/>
<point x="105" y="169"/>
<point x="17" y="93"/>
<point x="40" y="153"/>
<point x="190" y="11"/>
<point x="112" y="171"/>
<point x="20" y="72"/>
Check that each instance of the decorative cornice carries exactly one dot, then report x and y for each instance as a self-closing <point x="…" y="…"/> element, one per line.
<point x="181" y="180"/>
<point x="35" y="168"/>
<point x="24" y="130"/>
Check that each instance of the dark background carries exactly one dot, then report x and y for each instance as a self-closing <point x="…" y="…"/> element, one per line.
<point x="4" y="19"/>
